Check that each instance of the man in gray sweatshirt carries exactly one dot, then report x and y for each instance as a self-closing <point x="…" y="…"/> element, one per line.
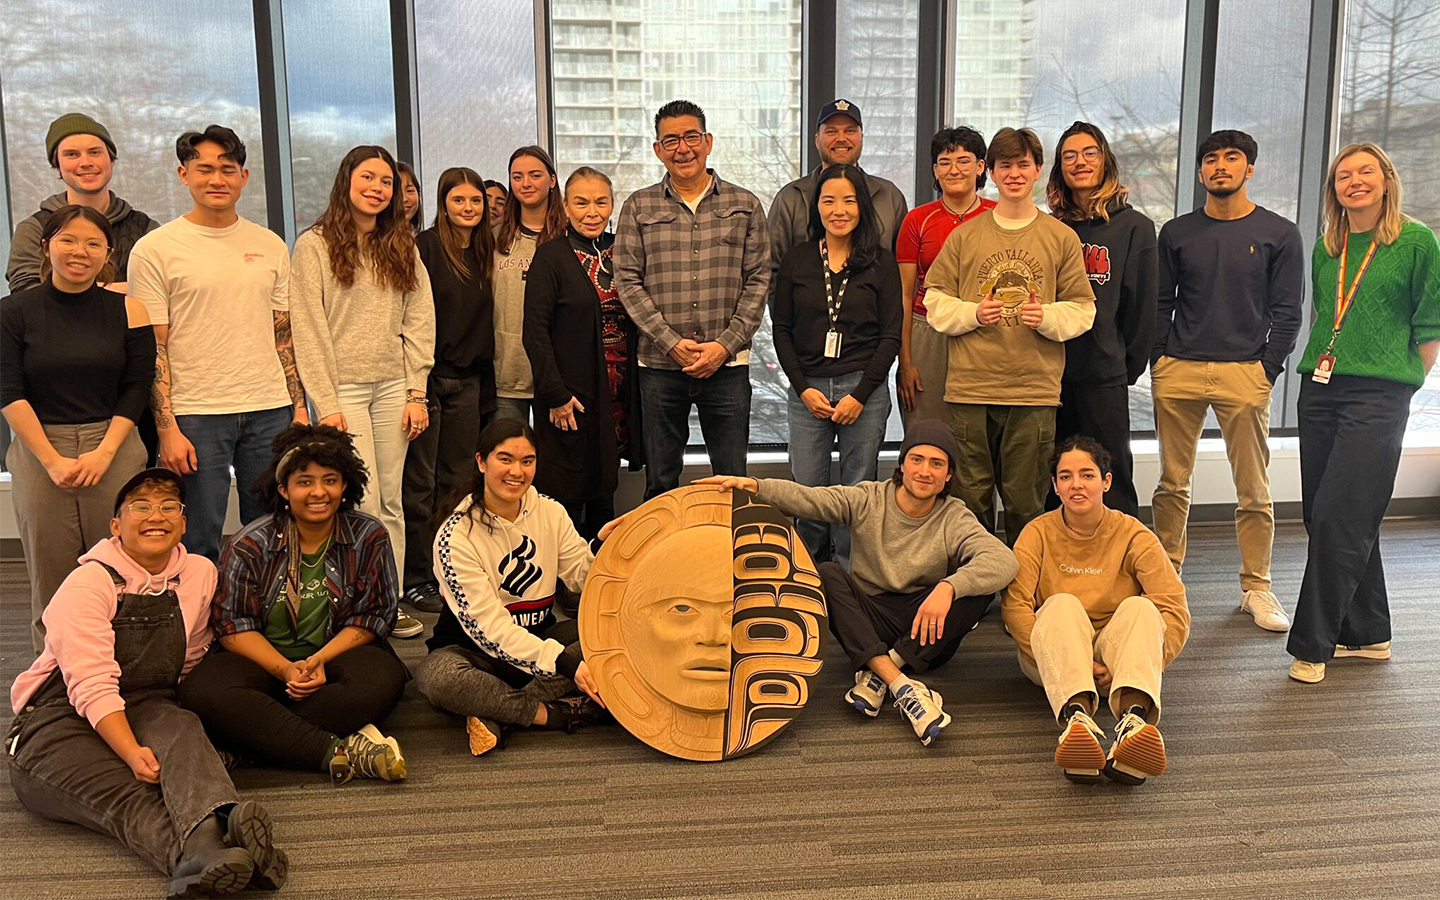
<point x="923" y="570"/>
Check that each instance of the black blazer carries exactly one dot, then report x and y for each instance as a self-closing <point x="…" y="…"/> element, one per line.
<point x="563" y="338"/>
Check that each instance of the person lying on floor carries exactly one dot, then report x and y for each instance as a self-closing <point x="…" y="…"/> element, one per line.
<point x="98" y="738"/>
<point x="1097" y="610"/>
<point x="498" y="655"/>
<point x="307" y="596"/>
<point x="923" y="571"/>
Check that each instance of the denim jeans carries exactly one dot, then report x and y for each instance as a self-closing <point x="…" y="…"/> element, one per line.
<point x="811" y="440"/>
<point x="723" y="400"/>
<point x="516" y="408"/>
<point x="239" y="440"/>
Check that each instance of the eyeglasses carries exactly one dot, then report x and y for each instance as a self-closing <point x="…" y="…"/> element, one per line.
<point x="170" y="509"/>
<point x="1091" y="154"/>
<point x="671" y="143"/>
<point x="69" y="245"/>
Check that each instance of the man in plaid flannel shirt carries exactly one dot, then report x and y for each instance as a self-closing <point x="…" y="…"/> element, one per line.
<point x="692" y="266"/>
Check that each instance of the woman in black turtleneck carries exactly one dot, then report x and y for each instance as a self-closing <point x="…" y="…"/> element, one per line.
<point x="76" y="364"/>
<point x="581" y="345"/>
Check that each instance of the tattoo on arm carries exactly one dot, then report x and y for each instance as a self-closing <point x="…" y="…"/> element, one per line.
<point x="285" y="349"/>
<point x="160" y="390"/>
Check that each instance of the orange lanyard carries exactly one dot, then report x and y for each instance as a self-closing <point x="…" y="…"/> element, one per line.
<point x="1345" y="299"/>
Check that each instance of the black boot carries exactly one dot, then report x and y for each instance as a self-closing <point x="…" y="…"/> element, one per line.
<point x="249" y="827"/>
<point x="207" y="867"/>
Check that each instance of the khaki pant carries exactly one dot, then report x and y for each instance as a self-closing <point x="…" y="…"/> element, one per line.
<point x="1006" y="447"/>
<point x="58" y="524"/>
<point x="930" y="353"/>
<point x="1066" y="645"/>
<point x="1239" y="393"/>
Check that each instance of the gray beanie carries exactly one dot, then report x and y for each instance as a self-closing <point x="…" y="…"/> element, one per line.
<point x="932" y="433"/>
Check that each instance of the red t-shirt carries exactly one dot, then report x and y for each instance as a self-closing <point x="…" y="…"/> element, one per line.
<point x="922" y="234"/>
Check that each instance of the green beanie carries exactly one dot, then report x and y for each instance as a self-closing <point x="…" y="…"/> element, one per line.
<point x="74" y="123"/>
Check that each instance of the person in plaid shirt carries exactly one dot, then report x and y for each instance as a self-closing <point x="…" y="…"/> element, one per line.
<point x="692" y="266"/>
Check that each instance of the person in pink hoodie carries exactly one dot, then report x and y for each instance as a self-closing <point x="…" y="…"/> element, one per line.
<point x="98" y="738"/>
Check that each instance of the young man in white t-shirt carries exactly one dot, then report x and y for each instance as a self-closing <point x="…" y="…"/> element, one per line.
<point x="216" y="287"/>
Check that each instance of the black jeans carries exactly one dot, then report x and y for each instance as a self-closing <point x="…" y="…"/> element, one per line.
<point x="871" y="625"/>
<point x="723" y="401"/>
<point x="438" y="462"/>
<point x="1350" y="435"/>
<point x="248" y="712"/>
<point x="1102" y="413"/>
<point x="589" y="515"/>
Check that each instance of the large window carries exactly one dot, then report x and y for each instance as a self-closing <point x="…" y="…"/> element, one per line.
<point x="342" y="91"/>
<point x="876" y="67"/>
<point x="153" y="72"/>
<point x="615" y="62"/>
<point x="1390" y="94"/>
<point x="475" y="62"/>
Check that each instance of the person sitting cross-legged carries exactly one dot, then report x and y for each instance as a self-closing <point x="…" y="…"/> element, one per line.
<point x="922" y="572"/>
<point x="1097" y="610"/>
<point x="307" y="597"/>
<point x="98" y="738"/>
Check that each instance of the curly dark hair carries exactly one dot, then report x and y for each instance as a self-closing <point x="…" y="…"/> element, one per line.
<point x="1084" y="444"/>
<point x="321" y="444"/>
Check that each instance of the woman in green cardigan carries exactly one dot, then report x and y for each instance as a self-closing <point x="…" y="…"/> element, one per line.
<point x="1376" y="283"/>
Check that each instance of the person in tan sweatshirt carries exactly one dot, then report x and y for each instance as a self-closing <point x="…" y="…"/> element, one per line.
<point x="1096" y="610"/>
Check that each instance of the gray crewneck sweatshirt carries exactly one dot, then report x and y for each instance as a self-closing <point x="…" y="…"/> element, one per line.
<point x="363" y="333"/>
<point x="891" y="552"/>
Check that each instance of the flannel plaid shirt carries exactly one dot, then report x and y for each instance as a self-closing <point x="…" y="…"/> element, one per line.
<point x="701" y="275"/>
<point x="359" y="571"/>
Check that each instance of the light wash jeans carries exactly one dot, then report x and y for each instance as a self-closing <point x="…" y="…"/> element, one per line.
<point x="811" y="441"/>
<point x="373" y="414"/>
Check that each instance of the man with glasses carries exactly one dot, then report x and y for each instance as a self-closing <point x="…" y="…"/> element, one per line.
<point x="1232" y="275"/>
<point x="692" y="269"/>
<point x="839" y="136"/>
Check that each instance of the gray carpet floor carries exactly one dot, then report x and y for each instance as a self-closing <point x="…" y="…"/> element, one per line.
<point x="1276" y="789"/>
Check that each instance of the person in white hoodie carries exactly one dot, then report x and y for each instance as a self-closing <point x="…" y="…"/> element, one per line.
<point x="98" y="739"/>
<point x="498" y="655"/>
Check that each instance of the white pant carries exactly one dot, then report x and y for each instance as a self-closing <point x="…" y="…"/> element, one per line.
<point x="373" y="413"/>
<point x="1066" y="644"/>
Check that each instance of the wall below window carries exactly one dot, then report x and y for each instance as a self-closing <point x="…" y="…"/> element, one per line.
<point x="1417" y="486"/>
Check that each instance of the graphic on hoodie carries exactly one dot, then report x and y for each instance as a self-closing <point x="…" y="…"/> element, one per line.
<point x="1097" y="263"/>
<point x="1012" y="275"/>
<point x="517" y="571"/>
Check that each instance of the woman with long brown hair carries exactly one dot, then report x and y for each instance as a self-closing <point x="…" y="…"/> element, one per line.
<point x="1121" y="260"/>
<point x="534" y="214"/>
<point x="76" y="362"/>
<point x="581" y="345"/>
<point x="459" y="255"/>
<point x="1375" y="278"/>
<point x="364" y="327"/>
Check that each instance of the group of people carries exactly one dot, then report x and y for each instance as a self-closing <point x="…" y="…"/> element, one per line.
<point x="374" y="392"/>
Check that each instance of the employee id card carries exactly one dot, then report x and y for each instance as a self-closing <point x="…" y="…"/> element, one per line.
<point x="832" y="344"/>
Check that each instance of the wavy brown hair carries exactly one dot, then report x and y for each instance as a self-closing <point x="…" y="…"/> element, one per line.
<point x="1058" y="193"/>
<point x="1335" y="223"/>
<point x="481" y="251"/>
<point x="555" y="221"/>
<point x="390" y="248"/>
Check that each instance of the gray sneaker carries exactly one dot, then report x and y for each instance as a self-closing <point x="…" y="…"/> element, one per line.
<point x="868" y="694"/>
<point x="367" y="754"/>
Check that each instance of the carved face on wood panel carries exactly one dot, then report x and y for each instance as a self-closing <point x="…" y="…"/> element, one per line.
<point x="703" y="621"/>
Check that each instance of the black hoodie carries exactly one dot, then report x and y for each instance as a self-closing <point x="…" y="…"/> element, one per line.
<point x="1123" y="265"/>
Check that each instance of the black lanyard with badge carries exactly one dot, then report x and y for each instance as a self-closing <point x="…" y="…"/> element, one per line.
<point x="833" y="300"/>
<point x="1325" y="365"/>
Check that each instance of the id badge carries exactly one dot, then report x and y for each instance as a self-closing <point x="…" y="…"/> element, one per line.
<point x="1324" y="368"/>
<point x="832" y="344"/>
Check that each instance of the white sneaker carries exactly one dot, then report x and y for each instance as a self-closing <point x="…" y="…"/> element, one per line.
<point x="1078" y="751"/>
<point x="1308" y="672"/>
<point x="1265" y="610"/>
<point x="1363" y="651"/>
<point x="1138" y="752"/>
<point x="868" y="694"/>
<point x="925" y="710"/>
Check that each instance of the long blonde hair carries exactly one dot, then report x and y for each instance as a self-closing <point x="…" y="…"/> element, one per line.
<point x="1111" y="191"/>
<point x="1333" y="219"/>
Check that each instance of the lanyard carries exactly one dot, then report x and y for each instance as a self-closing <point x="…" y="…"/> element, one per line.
<point x="832" y="300"/>
<point x="1345" y="299"/>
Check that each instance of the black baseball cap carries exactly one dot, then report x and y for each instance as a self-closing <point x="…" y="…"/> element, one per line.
<point x="839" y="108"/>
<point x="155" y="474"/>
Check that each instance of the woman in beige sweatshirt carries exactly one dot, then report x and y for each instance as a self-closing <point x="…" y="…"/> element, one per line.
<point x="1096" y="607"/>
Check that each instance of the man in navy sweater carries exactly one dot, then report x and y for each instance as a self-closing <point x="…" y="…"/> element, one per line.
<point x="1231" y="280"/>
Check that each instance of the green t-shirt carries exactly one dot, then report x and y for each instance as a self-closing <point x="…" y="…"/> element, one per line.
<point x="298" y="643"/>
<point x="1396" y="309"/>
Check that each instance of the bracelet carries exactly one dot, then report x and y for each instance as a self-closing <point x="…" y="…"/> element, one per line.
<point x="417" y="398"/>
